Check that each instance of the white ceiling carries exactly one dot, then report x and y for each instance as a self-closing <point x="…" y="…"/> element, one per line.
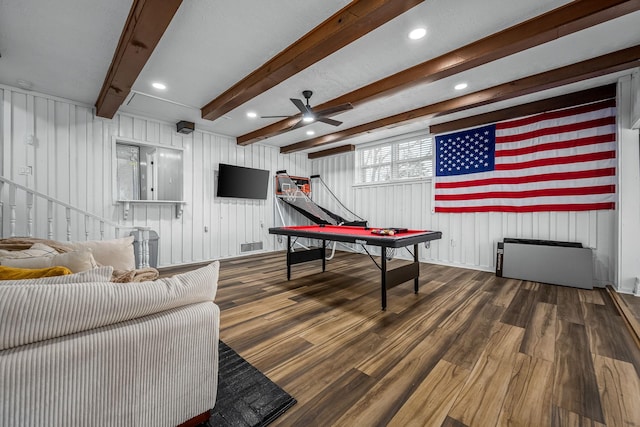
<point x="64" y="48"/>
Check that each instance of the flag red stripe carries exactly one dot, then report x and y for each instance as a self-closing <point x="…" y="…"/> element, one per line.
<point x="513" y="180"/>
<point x="572" y="127"/>
<point x="557" y="114"/>
<point x="544" y="192"/>
<point x="598" y="139"/>
<point x="530" y="208"/>
<point x="557" y="161"/>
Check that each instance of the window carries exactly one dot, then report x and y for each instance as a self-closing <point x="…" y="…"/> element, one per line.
<point x="147" y="172"/>
<point x="406" y="158"/>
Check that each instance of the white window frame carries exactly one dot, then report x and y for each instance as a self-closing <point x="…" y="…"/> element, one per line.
<point x="394" y="144"/>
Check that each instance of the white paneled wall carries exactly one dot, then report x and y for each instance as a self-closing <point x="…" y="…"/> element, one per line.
<point x="468" y="240"/>
<point x="72" y="154"/>
<point x="72" y="161"/>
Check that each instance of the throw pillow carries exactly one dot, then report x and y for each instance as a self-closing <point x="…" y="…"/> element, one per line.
<point x="209" y="273"/>
<point x="12" y="273"/>
<point x="37" y="250"/>
<point x="76" y="261"/>
<point x="117" y="253"/>
<point x="44" y="248"/>
<point x="98" y="274"/>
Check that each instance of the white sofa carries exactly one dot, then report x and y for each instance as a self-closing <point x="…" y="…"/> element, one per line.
<point x="109" y="354"/>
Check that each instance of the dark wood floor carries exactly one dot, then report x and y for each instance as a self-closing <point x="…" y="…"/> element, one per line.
<point x="633" y="302"/>
<point x="470" y="349"/>
<point x="630" y="306"/>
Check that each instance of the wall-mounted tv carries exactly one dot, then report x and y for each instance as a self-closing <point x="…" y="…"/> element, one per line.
<point x="241" y="182"/>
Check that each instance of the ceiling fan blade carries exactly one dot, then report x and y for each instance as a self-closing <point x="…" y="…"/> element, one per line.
<point x="334" y="110"/>
<point x="329" y="121"/>
<point x="303" y="108"/>
<point x="298" y="125"/>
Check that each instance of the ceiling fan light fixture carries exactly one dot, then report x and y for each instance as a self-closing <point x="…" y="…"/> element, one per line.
<point x="308" y="114"/>
<point x="417" y="33"/>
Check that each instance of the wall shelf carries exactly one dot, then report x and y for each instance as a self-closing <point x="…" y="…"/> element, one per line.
<point x="126" y="204"/>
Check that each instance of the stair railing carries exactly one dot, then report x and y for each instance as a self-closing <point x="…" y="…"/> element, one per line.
<point x="89" y="218"/>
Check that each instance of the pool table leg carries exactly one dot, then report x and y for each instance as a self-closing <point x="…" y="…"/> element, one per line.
<point x="415" y="259"/>
<point x="383" y="286"/>
<point x="288" y="257"/>
<point x="324" y="255"/>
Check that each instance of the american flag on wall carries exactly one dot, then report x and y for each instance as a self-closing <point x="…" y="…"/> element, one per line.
<point x="562" y="160"/>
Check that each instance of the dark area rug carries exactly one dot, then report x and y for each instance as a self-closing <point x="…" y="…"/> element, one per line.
<point x="246" y="397"/>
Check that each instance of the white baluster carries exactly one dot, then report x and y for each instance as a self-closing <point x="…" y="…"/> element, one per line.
<point x="144" y="260"/>
<point x="50" y="219"/>
<point x="101" y="230"/>
<point x="68" y="224"/>
<point x="12" y="210"/>
<point x="140" y="250"/>
<point x="29" y="214"/>
<point x="86" y="227"/>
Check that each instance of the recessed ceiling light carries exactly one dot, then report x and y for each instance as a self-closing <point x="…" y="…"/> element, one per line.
<point x="159" y="85"/>
<point x="252" y="115"/>
<point x="460" y="86"/>
<point x="417" y="33"/>
<point x="310" y="132"/>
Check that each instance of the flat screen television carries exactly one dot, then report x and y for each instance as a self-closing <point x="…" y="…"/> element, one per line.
<point x="241" y="182"/>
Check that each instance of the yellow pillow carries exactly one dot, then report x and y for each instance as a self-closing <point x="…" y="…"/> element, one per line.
<point x="13" y="273"/>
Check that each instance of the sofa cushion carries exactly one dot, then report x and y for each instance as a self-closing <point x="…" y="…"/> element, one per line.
<point x="35" y="312"/>
<point x="117" y="253"/>
<point x="98" y="274"/>
<point x="76" y="261"/>
<point x="13" y="273"/>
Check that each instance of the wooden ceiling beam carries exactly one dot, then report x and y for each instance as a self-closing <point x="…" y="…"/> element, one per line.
<point x="344" y="27"/>
<point x="331" y="151"/>
<point x="570" y="18"/>
<point x="146" y="23"/>
<point x="557" y="102"/>
<point x="602" y="65"/>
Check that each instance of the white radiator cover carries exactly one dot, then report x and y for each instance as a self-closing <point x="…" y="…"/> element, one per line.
<point x="553" y="264"/>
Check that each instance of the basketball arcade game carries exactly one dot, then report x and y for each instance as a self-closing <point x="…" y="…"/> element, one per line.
<point x="295" y="192"/>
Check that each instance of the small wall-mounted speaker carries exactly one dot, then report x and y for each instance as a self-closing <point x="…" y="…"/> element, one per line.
<point x="185" y="127"/>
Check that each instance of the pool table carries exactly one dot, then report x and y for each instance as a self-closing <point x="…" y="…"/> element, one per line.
<point x="383" y="237"/>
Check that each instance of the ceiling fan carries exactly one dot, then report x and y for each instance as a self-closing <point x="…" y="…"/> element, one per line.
<point x="308" y="115"/>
